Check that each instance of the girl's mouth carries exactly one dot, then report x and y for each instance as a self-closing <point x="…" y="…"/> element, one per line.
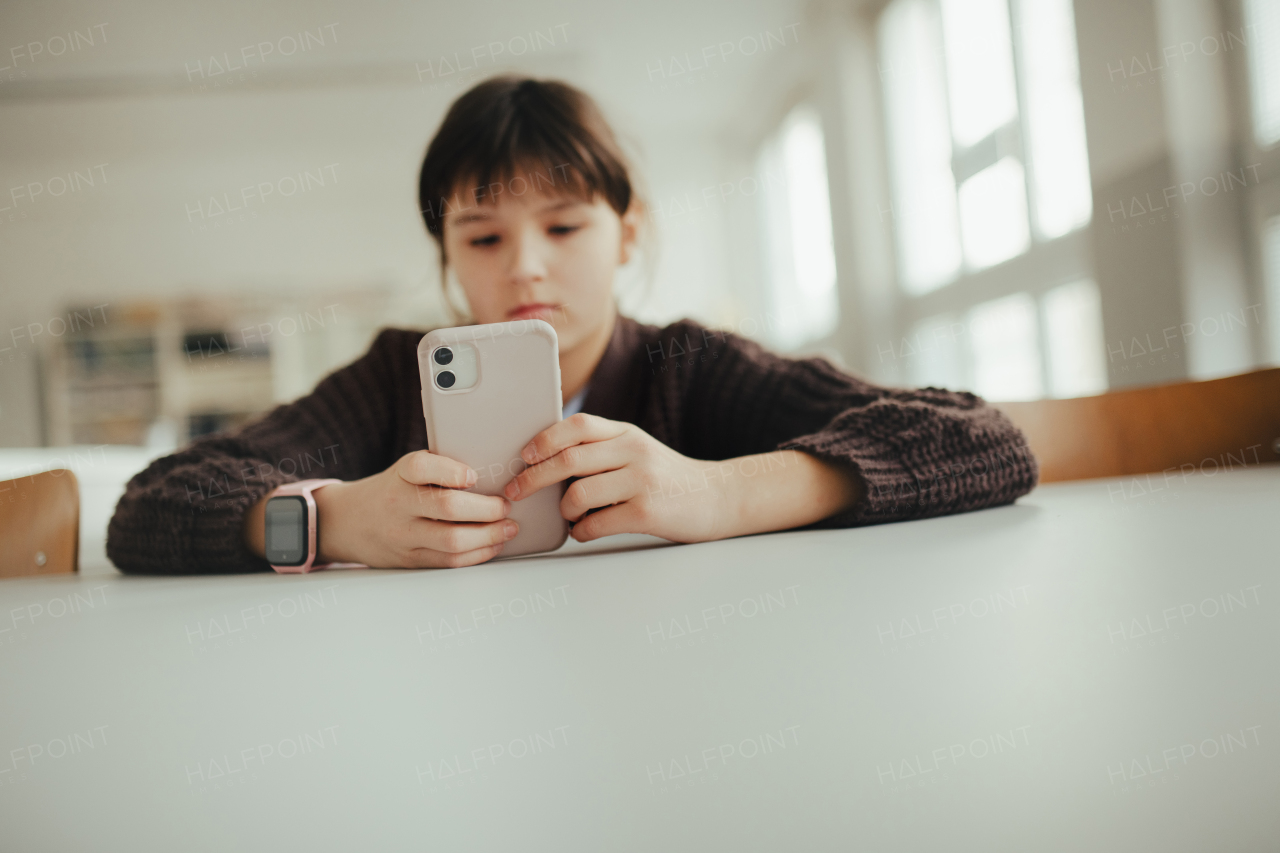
<point x="533" y="311"/>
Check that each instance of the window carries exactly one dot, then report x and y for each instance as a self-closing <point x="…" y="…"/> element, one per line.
<point x="799" y="247"/>
<point x="993" y="214"/>
<point x="936" y="353"/>
<point x="1072" y="318"/>
<point x="1055" y="117"/>
<point x="959" y="140"/>
<point x="1271" y="262"/>
<point x="996" y="347"/>
<point x="1006" y="350"/>
<point x="1262" y="22"/>
<point x="925" y="219"/>
<point x="988" y="163"/>
<point x="979" y="52"/>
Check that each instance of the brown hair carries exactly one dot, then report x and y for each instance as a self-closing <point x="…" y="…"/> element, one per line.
<point x="508" y="126"/>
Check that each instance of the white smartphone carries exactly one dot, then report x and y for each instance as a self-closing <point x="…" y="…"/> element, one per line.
<point x="486" y="391"/>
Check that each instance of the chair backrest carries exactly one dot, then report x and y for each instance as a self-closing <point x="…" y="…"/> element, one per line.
<point x="1207" y="426"/>
<point x="40" y="524"/>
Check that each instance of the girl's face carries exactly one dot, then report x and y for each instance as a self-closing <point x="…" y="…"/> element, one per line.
<point x="550" y="257"/>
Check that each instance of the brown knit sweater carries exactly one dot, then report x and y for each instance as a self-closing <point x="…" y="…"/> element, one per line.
<point x="707" y="394"/>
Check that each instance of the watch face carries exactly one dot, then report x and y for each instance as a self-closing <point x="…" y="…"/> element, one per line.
<point x="286" y="530"/>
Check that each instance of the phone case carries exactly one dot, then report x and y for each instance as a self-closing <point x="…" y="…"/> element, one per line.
<point x="516" y="395"/>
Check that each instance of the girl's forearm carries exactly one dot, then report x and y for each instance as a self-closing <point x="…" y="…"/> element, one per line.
<point x="782" y="490"/>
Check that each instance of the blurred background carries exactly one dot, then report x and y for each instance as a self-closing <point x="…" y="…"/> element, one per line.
<point x="205" y="208"/>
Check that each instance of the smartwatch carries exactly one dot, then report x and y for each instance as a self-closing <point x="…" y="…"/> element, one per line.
<point x="291" y="528"/>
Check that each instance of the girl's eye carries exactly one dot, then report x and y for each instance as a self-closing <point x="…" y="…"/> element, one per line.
<point x="488" y="240"/>
<point x="561" y="230"/>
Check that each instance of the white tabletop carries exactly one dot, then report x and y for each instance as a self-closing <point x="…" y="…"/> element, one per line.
<point x="1092" y="668"/>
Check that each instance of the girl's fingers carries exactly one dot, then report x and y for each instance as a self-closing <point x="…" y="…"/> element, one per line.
<point x="428" y="559"/>
<point x="445" y="504"/>
<point x="575" y="429"/>
<point x="458" y="538"/>
<point x="623" y="518"/>
<point x="601" y="490"/>
<point x="578" y="460"/>
<point x="424" y="468"/>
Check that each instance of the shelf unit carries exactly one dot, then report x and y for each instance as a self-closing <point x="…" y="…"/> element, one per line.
<point x="168" y="372"/>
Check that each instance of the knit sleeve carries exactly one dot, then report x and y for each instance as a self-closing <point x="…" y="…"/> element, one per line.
<point x="919" y="452"/>
<point x="183" y="514"/>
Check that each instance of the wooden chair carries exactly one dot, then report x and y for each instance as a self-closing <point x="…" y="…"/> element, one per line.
<point x="40" y="524"/>
<point x="1207" y="426"/>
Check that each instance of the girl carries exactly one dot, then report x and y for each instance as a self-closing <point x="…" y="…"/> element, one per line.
<point x="682" y="432"/>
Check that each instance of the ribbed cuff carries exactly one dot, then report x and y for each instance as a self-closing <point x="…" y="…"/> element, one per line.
<point x="216" y="537"/>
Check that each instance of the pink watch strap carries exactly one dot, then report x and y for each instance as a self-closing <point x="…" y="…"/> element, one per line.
<point x="304" y="488"/>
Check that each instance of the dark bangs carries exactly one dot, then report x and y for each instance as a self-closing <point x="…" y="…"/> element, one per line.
<point x="515" y="135"/>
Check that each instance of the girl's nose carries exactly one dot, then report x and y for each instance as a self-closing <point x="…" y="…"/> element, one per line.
<point x="528" y="262"/>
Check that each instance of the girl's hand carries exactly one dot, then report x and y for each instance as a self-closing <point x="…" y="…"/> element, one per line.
<point x="413" y="515"/>
<point x="642" y="485"/>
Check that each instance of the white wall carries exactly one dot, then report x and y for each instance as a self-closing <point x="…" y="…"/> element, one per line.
<point x="159" y="147"/>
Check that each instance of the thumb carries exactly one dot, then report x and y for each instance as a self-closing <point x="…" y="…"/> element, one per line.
<point x="424" y="468"/>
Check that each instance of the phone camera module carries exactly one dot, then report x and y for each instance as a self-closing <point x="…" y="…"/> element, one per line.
<point x="445" y="378"/>
<point x="444" y="355"/>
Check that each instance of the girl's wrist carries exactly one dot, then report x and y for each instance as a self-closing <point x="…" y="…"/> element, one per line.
<point x="253" y="531"/>
<point x="785" y="489"/>
<point x="329" y="522"/>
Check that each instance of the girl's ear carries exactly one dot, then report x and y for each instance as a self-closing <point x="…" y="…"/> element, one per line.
<point x="630" y="231"/>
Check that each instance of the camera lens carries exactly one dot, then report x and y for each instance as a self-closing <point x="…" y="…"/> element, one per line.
<point x="444" y="355"/>
<point x="445" y="379"/>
